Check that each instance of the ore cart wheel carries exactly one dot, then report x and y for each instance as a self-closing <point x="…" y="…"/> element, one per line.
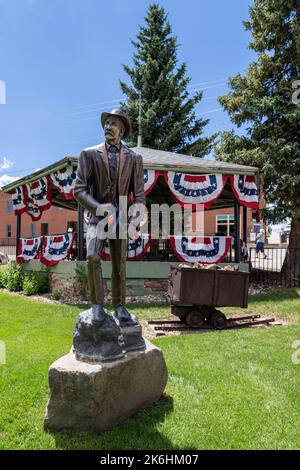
<point x="218" y="320"/>
<point x="195" y="319"/>
<point x="207" y="312"/>
<point x="179" y="312"/>
<point x="182" y="317"/>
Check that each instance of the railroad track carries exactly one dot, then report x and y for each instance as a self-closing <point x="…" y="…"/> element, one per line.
<point x="246" y="321"/>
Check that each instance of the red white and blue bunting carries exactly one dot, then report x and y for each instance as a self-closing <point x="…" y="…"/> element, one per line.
<point x="28" y="248"/>
<point x="19" y="199"/>
<point x="135" y="248"/>
<point x="56" y="248"/>
<point x="39" y="198"/>
<point x="34" y="198"/>
<point x="195" y="189"/>
<point x="245" y="190"/>
<point x="150" y="178"/>
<point x="64" y="181"/>
<point x="200" y="249"/>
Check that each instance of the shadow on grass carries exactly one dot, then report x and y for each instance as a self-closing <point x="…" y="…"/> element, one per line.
<point x="138" y="432"/>
<point x="138" y="304"/>
<point x="276" y="296"/>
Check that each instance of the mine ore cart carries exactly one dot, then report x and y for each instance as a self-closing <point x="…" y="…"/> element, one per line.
<point x="195" y="293"/>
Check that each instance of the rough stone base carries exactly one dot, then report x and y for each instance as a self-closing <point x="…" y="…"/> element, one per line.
<point x="95" y="397"/>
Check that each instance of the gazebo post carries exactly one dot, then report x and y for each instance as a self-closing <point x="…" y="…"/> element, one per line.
<point x="18" y="233"/>
<point x="80" y="228"/>
<point x="237" y="240"/>
<point x="245" y="224"/>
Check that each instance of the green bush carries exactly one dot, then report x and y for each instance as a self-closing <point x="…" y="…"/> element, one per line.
<point x="3" y="276"/>
<point x="36" y="283"/>
<point x="81" y="273"/>
<point x="57" y="294"/>
<point x="13" y="277"/>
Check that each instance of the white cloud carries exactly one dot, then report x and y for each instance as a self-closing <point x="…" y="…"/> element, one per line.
<point x="6" y="164"/>
<point x="6" y="179"/>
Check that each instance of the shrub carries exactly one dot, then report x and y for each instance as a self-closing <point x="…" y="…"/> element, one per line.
<point x="81" y="273"/>
<point x="36" y="283"/>
<point x="3" y="276"/>
<point x="30" y="284"/>
<point x="13" y="277"/>
<point x="57" y="294"/>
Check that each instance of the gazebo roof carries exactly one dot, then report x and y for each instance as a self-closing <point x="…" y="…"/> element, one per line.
<point x="161" y="160"/>
<point x="153" y="159"/>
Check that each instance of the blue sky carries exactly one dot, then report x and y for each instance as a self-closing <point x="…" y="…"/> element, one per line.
<point x="61" y="64"/>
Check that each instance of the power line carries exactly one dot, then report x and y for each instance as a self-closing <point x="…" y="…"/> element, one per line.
<point x="81" y="112"/>
<point x="209" y="112"/>
<point x="77" y="141"/>
<point x="217" y="83"/>
<point x="207" y="83"/>
<point x="85" y="106"/>
<point x="94" y="118"/>
<point x="207" y="88"/>
<point x="118" y="100"/>
<point x="101" y="109"/>
<point x="210" y="98"/>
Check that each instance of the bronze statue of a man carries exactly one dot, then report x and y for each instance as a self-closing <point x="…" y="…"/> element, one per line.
<point x="105" y="173"/>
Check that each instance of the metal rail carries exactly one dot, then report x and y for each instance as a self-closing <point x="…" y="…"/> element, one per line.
<point x="233" y="322"/>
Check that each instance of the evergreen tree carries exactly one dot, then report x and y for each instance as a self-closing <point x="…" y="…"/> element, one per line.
<point x="264" y="100"/>
<point x="168" y="116"/>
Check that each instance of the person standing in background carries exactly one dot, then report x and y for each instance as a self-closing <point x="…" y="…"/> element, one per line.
<point x="260" y="243"/>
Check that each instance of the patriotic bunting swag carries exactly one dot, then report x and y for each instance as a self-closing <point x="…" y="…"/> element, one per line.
<point x="245" y="190"/>
<point x="150" y="178"/>
<point x="200" y="250"/>
<point x="19" y="200"/>
<point x="28" y="248"/>
<point x="57" y="248"/>
<point x="195" y="189"/>
<point x="135" y="248"/>
<point x="64" y="181"/>
<point x="39" y="197"/>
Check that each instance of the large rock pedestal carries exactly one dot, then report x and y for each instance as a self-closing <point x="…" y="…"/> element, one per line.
<point x="94" y="397"/>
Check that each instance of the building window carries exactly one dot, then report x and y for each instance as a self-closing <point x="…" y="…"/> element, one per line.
<point x="8" y="230"/>
<point x="9" y="206"/>
<point x="225" y="225"/>
<point x="44" y="229"/>
<point x="32" y="230"/>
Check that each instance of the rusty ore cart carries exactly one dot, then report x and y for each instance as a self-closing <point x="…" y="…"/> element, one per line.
<point x="195" y="293"/>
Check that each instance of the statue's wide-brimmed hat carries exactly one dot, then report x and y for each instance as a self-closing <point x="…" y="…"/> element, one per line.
<point x="120" y="114"/>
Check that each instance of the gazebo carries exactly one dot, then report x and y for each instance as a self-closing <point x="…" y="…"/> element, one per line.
<point x="168" y="177"/>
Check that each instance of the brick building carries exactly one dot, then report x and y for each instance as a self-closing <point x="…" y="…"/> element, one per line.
<point x="57" y="220"/>
<point x="53" y="221"/>
<point x="148" y="273"/>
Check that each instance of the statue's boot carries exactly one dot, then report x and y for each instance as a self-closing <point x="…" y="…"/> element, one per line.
<point x="130" y="328"/>
<point x="97" y="336"/>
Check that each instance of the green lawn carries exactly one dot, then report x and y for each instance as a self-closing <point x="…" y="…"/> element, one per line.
<point x="232" y="389"/>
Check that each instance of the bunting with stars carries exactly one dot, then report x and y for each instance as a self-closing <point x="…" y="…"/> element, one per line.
<point x="200" y="249"/>
<point x="195" y="189"/>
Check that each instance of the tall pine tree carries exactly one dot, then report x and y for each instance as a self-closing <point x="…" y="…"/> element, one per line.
<point x="168" y="118"/>
<point x="262" y="99"/>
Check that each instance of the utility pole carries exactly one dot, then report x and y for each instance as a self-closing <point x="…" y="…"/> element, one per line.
<point x="139" y="142"/>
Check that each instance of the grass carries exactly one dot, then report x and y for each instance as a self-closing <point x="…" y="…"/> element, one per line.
<point x="233" y="389"/>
